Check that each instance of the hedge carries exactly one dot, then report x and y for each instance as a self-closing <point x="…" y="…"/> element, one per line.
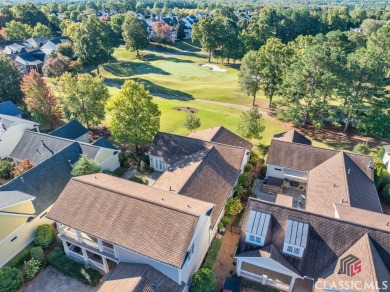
<point x="203" y="281"/>
<point x="212" y="254"/>
<point x="37" y="254"/>
<point x="139" y="179"/>
<point x="21" y="257"/>
<point x="77" y="270"/>
<point x="11" y="279"/>
<point x="44" y="236"/>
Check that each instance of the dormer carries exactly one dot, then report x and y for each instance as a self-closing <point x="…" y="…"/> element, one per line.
<point x="295" y="239"/>
<point x="257" y="227"/>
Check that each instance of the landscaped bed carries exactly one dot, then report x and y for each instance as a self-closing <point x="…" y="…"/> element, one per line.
<point x="187" y="109"/>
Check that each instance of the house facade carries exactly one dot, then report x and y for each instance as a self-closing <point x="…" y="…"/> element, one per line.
<point x="165" y="231"/>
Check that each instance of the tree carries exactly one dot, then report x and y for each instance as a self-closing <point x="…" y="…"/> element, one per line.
<point x="66" y="50"/>
<point x="10" y="80"/>
<point x="135" y="34"/>
<point x="134" y="118"/>
<point x="55" y="67"/>
<point x="233" y="207"/>
<point x="203" y="281"/>
<point x="209" y="32"/>
<point x="365" y="78"/>
<point x="6" y="15"/>
<point x="41" y="30"/>
<point x="181" y="34"/>
<point x="18" y="31"/>
<point x="85" y="166"/>
<point x="30" y="14"/>
<point x="116" y="23"/>
<point x="93" y="42"/>
<point x="250" y="126"/>
<point x="192" y="122"/>
<point x="272" y="63"/>
<point x="380" y="41"/>
<point x="370" y="26"/>
<point x="385" y="194"/>
<point x="361" y="148"/>
<point x="250" y="75"/>
<point x="83" y="97"/>
<point x="162" y="32"/>
<point x="40" y="100"/>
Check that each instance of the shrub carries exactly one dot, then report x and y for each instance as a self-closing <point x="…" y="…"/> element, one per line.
<point x="233" y="207"/>
<point x="383" y="181"/>
<point x="203" y="281"/>
<point x="379" y="168"/>
<point x="22" y="167"/>
<point x="239" y="191"/>
<point x="122" y="159"/>
<point x="85" y="166"/>
<point x="44" y="235"/>
<point x="74" y="269"/>
<point x="225" y="221"/>
<point x="385" y="194"/>
<point x="361" y="148"/>
<point x="263" y="171"/>
<point x="11" y="279"/>
<point x="381" y="152"/>
<point x="31" y="268"/>
<point x="248" y="167"/>
<point x="142" y="165"/>
<point x="244" y="180"/>
<point x="212" y="254"/>
<point x="254" y="158"/>
<point x="37" y="254"/>
<point x="5" y="169"/>
<point x="139" y="179"/>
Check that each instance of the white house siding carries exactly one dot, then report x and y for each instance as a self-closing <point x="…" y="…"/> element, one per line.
<point x="281" y="172"/>
<point x="128" y="256"/>
<point x="201" y="241"/>
<point x="158" y="163"/>
<point x="107" y="159"/>
<point x="25" y="235"/>
<point x="11" y="138"/>
<point x="386" y="160"/>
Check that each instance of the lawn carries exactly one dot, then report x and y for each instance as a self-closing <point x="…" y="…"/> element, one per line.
<point x="180" y="76"/>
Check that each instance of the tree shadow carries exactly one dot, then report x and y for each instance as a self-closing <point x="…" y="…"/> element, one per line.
<point x="153" y="57"/>
<point x="128" y="69"/>
<point x="153" y="88"/>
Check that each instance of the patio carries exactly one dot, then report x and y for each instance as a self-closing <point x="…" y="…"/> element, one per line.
<point x="298" y="193"/>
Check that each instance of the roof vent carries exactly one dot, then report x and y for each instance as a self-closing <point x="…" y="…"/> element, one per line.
<point x="42" y="143"/>
<point x="22" y="179"/>
<point x="370" y="164"/>
<point x="349" y="170"/>
<point x="188" y="206"/>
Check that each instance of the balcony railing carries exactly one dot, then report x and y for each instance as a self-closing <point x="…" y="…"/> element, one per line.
<point x="265" y="281"/>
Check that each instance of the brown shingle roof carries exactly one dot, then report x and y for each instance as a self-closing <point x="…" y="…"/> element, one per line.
<point x="293" y="136"/>
<point x="328" y="238"/>
<point x="210" y="179"/>
<point x="372" y="268"/>
<point x="223" y="136"/>
<point x="372" y="219"/>
<point x="128" y="277"/>
<point x="151" y="222"/>
<point x="304" y="157"/>
<point x="340" y="180"/>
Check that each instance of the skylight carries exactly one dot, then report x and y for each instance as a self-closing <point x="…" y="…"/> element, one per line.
<point x="295" y="239"/>
<point x="257" y="227"/>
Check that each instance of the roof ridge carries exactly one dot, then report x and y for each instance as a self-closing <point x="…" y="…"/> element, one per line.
<point x="144" y="199"/>
<point x="72" y="121"/>
<point x="345" y="175"/>
<point x="368" y="242"/>
<point x="232" y="146"/>
<point x="320" y="215"/>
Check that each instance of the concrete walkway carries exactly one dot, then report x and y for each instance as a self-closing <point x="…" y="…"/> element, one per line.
<point x="52" y="279"/>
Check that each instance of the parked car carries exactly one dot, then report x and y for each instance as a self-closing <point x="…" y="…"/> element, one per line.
<point x="232" y="285"/>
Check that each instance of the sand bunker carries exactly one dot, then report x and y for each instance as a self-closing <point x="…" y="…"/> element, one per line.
<point x="213" y="67"/>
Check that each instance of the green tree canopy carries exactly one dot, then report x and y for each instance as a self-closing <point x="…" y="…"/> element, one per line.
<point x="203" y="281"/>
<point x="41" y="30"/>
<point x="83" y="97"/>
<point x="192" y="122"/>
<point x="85" y="166"/>
<point x="250" y="126"/>
<point x="250" y="75"/>
<point x="18" y="31"/>
<point x="135" y="34"/>
<point x="10" y="79"/>
<point x="134" y="118"/>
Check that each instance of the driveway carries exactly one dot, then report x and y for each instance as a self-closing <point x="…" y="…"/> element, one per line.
<point x="52" y="279"/>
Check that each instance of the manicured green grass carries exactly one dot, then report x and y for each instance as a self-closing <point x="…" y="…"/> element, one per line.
<point x="177" y="75"/>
